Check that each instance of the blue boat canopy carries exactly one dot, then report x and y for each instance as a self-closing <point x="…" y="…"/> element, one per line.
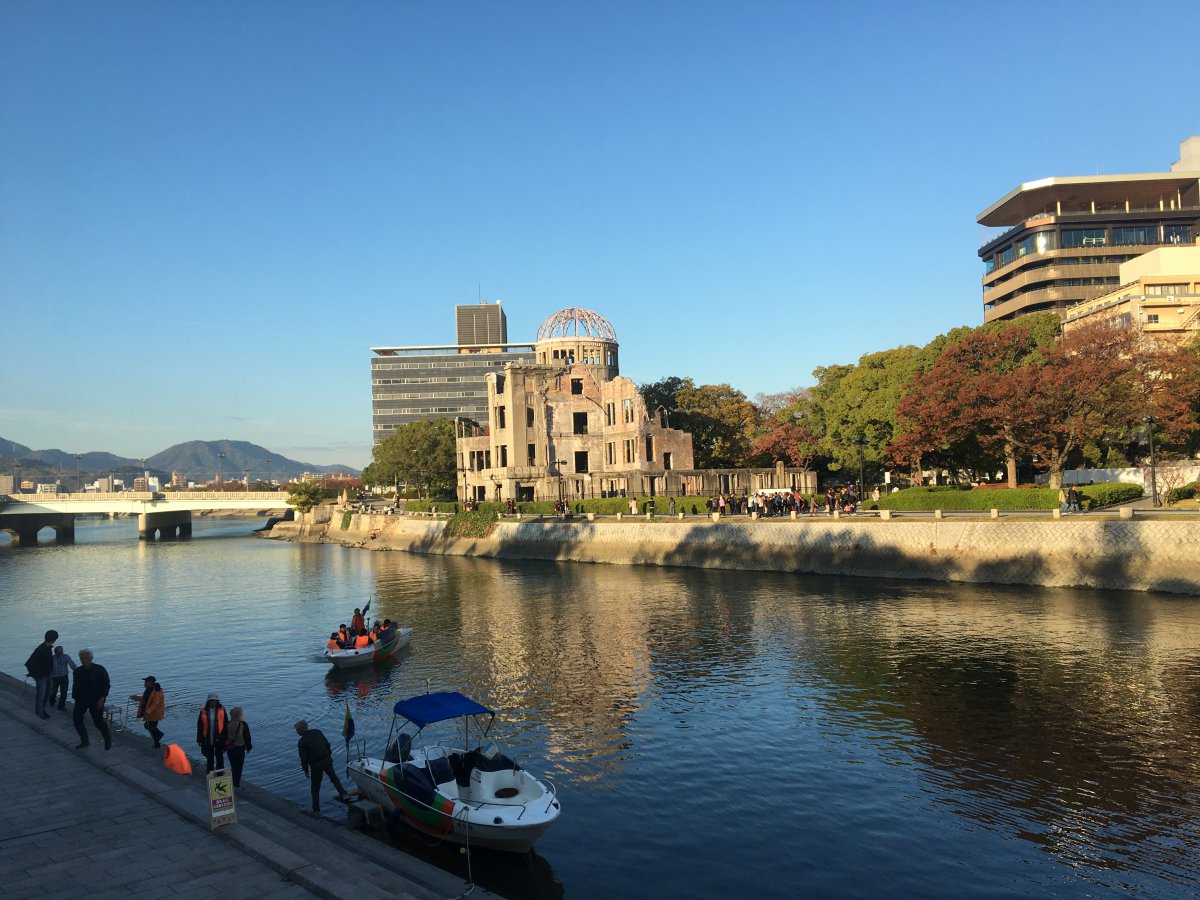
<point x="425" y="709"/>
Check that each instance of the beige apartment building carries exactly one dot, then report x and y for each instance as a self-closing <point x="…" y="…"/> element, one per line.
<point x="1066" y="238"/>
<point x="568" y="425"/>
<point x="1159" y="295"/>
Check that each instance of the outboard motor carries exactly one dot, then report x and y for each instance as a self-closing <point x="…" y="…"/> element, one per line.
<point x="400" y="750"/>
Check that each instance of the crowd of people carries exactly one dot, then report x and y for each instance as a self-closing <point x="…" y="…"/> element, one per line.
<point x="51" y="667"/>
<point x="768" y="504"/>
<point x="357" y="636"/>
<point x="219" y="734"/>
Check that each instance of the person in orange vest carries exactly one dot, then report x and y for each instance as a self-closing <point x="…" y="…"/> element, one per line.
<point x="211" y="726"/>
<point x="357" y="622"/>
<point x="333" y="643"/>
<point x="151" y="708"/>
<point x="363" y="640"/>
<point x="344" y="635"/>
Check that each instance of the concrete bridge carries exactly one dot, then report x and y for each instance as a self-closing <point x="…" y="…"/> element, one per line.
<point x="160" y="515"/>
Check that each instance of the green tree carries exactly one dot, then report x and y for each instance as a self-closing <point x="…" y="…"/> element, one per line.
<point x="721" y="421"/>
<point x="303" y="495"/>
<point x="419" y="454"/>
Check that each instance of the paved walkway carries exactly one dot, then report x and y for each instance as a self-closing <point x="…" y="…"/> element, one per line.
<point x="117" y="824"/>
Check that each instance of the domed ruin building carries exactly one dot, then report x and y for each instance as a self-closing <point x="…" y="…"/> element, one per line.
<point x="569" y="425"/>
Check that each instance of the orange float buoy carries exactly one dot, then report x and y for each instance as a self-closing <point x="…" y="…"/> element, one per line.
<point x="176" y="760"/>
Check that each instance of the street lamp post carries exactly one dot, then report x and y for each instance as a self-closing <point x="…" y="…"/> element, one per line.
<point x="78" y="477"/>
<point x="1149" y="420"/>
<point x="245" y="479"/>
<point x="559" y="463"/>
<point x="860" y="442"/>
<point x="145" y="473"/>
<point x="220" y="470"/>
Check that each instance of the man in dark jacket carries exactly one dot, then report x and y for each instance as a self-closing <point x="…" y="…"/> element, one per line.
<point x="90" y="691"/>
<point x="317" y="758"/>
<point x="40" y="667"/>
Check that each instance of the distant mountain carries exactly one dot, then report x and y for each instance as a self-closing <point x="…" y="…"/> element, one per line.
<point x="198" y="460"/>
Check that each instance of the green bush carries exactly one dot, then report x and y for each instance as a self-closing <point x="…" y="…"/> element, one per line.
<point x="1110" y="492"/>
<point x="346" y="517"/>
<point x="477" y="523"/>
<point x="1187" y="492"/>
<point x="1091" y="496"/>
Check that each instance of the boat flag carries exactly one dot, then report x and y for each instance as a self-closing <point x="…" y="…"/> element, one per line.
<point x="348" y="727"/>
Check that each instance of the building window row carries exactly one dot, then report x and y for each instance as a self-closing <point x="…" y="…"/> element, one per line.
<point x="421" y="411"/>
<point x="444" y="379"/>
<point x="1067" y="238"/>
<point x="438" y="364"/>
<point x="429" y="395"/>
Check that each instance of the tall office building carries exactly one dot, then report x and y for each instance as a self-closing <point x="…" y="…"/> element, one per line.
<point x="1065" y="238"/>
<point x="481" y="323"/>
<point x="442" y="381"/>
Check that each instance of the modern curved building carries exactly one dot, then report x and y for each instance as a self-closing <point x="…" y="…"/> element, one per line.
<point x="1066" y="237"/>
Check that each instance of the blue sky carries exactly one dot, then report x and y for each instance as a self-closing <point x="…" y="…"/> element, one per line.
<point x="210" y="212"/>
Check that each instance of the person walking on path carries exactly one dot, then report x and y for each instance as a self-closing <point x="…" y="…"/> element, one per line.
<point x="151" y="708"/>
<point x="40" y="667"/>
<point x="316" y="760"/>
<point x="60" y="678"/>
<point x="211" y="732"/>
<point x="90" y="693"/>
<point x="238" y="744"/>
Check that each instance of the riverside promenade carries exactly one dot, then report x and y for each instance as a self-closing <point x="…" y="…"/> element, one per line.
<point x="118" y="824"/>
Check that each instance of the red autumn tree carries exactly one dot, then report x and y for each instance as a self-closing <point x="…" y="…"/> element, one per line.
<point x="952" y="415"/>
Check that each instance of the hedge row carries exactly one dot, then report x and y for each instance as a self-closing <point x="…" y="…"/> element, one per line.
<point x="1187" y="492"/>
<point x="1092" y="496"/>
<point x="605" y="506"/>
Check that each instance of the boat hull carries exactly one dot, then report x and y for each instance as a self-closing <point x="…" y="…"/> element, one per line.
<point x="457" y="821"/>
<point x="373" y="655"/>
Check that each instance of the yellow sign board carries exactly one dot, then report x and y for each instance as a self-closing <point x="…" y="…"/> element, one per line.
<point x="220" y="798"/>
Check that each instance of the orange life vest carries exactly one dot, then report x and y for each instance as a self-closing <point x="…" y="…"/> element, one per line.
<point x="358" y="622"/>
<point x="333" y="644"/>
<point x="363" y="640"/>
<point x="220" y="719"/>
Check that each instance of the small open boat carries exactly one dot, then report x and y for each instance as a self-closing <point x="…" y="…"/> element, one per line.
<point x="376" y="653"/>
<point x="477" y="796"/>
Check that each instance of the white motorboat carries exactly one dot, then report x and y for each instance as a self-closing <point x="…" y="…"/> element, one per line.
<point x="458" y="789"/>
<point x="376" y="653"/>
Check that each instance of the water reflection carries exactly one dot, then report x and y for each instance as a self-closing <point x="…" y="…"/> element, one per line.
<point x="719" y="733"/>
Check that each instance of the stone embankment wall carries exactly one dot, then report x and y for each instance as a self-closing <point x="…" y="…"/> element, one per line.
<point x="1083" y="552"/>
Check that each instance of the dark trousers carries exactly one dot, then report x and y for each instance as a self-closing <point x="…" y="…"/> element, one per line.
<point x="57" y="683"/>
<point x="237" y="759"/>
<point x="155" y="733"/>
<point x="97" y="710"/>
<point x="316" y="771"/>
<point x="212" y="754"/>
<point x="41" y="694"/>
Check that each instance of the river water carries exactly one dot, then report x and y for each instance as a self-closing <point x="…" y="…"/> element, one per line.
<point x="711" y="734"/>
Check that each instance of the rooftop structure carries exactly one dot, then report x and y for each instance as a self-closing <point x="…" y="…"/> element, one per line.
<point x="1066" y="237"/>
<point x="482" y="323"/>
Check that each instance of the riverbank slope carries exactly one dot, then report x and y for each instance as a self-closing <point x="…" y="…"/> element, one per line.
<point x="1124" y="554"/>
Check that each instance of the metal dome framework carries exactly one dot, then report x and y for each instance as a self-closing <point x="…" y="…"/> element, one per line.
<point x="575" y="322"/>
